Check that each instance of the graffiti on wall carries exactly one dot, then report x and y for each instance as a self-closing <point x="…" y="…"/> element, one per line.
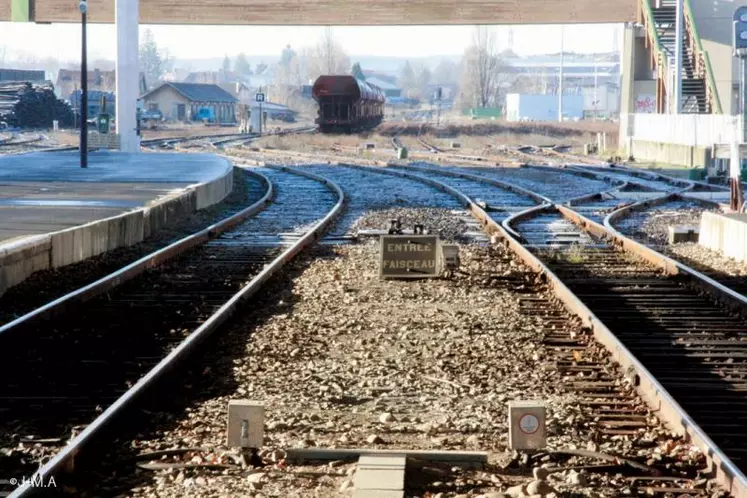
<point x="645" y="104"/>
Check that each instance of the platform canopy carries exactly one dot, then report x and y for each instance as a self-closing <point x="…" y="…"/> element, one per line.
<point x="332" y="12"/>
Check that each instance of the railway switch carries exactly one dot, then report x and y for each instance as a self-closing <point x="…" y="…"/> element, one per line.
<point x="246" y="424"/>
<point x="526" y="425"/>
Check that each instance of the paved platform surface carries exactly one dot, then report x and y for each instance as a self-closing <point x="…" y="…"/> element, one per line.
<point x="48" y="191"/>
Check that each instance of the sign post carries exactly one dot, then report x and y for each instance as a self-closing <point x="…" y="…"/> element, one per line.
<point x="260" y="98"/>
<point x="740" y="51"/>
<point x="409" y="256"/>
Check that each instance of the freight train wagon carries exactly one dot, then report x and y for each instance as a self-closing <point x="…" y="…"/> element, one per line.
<point x="347" y="104"/>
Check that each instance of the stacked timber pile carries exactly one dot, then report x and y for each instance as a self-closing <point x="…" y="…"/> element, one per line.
<point x="32" y="104"/>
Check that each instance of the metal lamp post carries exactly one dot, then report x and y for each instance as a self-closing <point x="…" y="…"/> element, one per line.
<point x="83" y="8"/>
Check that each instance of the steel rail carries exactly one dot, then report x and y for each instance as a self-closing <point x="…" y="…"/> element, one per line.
<point x="132" y="270"/>
<point x="541" y="199"/>
<point x="617" y="183"/>
<point x="64" y="460"/>
<point x="716" y="289"/>
<point x="665" y="176"/>
<point x="11" y="143"/>
<point x="726" y="472"/>
<point x="650" y="390"/>
<point x="683" y="185"/>
<point x="478" y="178"/>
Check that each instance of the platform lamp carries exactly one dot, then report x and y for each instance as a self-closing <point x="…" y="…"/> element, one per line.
<point x="83" y="8"/>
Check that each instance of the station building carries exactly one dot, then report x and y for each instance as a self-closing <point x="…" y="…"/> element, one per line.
<point x="188" y="102"/>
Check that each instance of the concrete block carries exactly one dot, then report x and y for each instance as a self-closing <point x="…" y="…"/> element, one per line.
<point x="81" y="243"/>
<point x="21" y="259"/>
<point x="682" y="234"/>
<point x="115" y="233"/>
<point x="213" y="192"/>
<point x="380" y="473"/>
<point x="378" y="493"/>
<point x="99" y="237"/>
<point x="526" y="425"/>
<point x="382" y="461"/>
<point x="726" y="233"/>
<point x="246" y="424"/>
<point x="384" y="479"/>
<point x="450" y="256"/>
<point x="63" y="247"/>
<point x="133" y="228"/>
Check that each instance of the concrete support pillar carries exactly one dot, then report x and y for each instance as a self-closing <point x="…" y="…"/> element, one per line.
<point x="128" y="72"/>
<point x="627" y="70"/>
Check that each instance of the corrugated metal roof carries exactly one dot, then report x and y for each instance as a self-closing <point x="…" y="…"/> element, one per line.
<point x="384" y="85"/>
<point x="199" y="92"/>
<point x="271" y="106"/>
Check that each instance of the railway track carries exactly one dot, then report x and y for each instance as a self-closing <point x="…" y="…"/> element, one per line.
<point x="14" y="141"/>
<point x="584" y="366"/>
<point x="690" y="342"/>
<point x="647" y="223"/>
<point x="606" y="392"/>
<point x="375" y="192"/>
<point x="499" y="199"/>
<point x="112" y="340"/>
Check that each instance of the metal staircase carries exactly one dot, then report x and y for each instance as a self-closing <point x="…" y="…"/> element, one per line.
<point x="699" y="94"/>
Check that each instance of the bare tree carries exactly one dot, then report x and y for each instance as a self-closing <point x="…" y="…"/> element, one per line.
<point x="483" y="72"/>
<point x="154" y="61"/>
<point x="328" y="57"/>
<point x="446" y="72"/>
<point x="414" y="80"/>
<point x="288" y="81"/>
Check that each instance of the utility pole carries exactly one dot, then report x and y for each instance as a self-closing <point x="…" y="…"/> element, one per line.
<point x="596" y="86"/>
<point x="560" y="76"/>
<point x="83" y="7"/>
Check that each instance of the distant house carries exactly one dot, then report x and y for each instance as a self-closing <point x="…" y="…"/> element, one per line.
<point x="240" y="90"/>
<point x="192" y="102"/>
<point x="68" y="80"/>
<point x="214" y="77"/>
<point x="275" y="111"/>
<point x="22" y="75"/>
<point x="389" y="78"/>
<point x="95" y="98"/>
<point x="264" y="78"/>
<point x="389" y="89"/>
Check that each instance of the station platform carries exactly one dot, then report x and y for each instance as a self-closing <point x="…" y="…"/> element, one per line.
<point x="50" y="205"/>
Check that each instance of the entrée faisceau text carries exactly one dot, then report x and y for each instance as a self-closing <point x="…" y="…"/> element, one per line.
<point x="418" y="248"/>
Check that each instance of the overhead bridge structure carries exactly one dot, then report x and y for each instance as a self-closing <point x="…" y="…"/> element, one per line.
<point x="332" y="12"/>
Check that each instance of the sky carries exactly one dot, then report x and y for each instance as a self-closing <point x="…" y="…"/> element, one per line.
<point x="198" y="42"/>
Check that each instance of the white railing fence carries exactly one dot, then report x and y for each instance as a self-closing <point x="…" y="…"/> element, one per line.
<point x="699" y="130"/>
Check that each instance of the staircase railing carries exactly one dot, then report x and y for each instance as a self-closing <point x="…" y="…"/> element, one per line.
<point x="658" y="55"/>
<point x="701" y="60"/>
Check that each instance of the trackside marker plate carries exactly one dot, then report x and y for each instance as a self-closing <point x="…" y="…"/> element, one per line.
<point x="409" y="256"/>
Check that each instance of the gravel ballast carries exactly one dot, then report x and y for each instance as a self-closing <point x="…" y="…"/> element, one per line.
<point x="343" y="359"/>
